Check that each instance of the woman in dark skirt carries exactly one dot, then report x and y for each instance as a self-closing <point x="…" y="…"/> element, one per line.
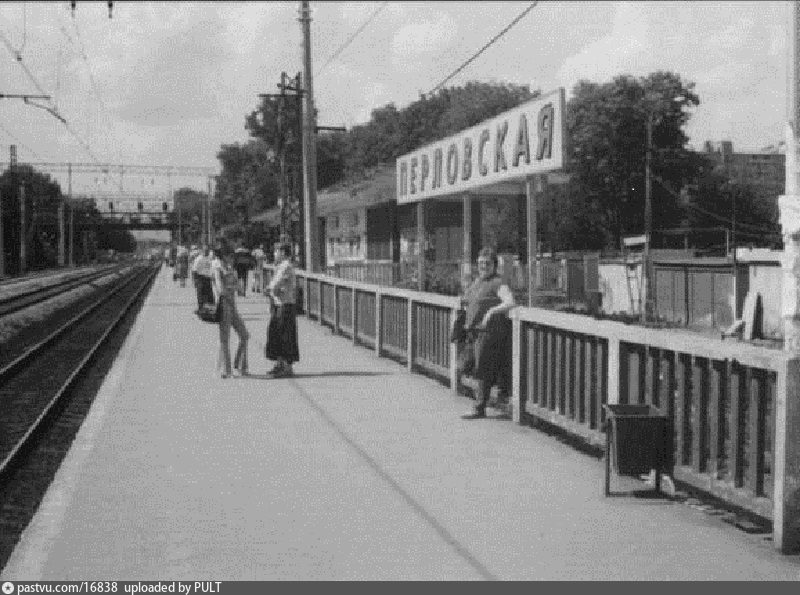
<point x="282" y="331"/>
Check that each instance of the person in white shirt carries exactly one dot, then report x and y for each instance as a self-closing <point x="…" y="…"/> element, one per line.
<point x="282" y="331"/>
<point x="201" y="273"/>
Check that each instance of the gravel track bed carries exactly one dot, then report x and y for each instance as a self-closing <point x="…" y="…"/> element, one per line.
<point x="21" y="495"/>
<point x="20" y="330"/>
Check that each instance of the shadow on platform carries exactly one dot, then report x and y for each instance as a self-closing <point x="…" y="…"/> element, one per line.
<point x="318" y="375"/>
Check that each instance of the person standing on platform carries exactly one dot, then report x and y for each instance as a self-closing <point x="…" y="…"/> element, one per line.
<point x="194" y="252"/>
<point x="182" y="264"/>
<point x="224" y="283"/>
<point x="282" y="330"/>
<point x="487" y="347"/>
<point x="201" y="271"/>
<point x="243" y="262"/>
<point x="258" y="272"/>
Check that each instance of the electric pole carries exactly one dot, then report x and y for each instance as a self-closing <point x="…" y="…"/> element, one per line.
<point x="208" y="215"/>
<point x="309" y="149"/>
<point x="23" y="239"/>
<point x="289" y="129"/>
<point x="12" y="164"/>
<point x="648" y="219"/>
<point x="71" y="252"/>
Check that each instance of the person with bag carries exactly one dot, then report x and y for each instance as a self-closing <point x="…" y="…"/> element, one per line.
<point x="242" y="262"/>
<point x="258" y="272"/>
<point x="201" y="272"/>
<point x="182" y="264"/>
<point x="282" y="330"/>
<point x="485" y="331"/>
<point x="225" y="284"/>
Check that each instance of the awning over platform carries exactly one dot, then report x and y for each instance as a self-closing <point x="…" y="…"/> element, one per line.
<point x="376" y="188"/>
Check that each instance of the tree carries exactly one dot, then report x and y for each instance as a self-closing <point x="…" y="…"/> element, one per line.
<point x="189" y="206"/>
<point x="392" y="132"/>
<point x="42" y="197"/>
<point x="248" y="182"/>
<point x="719" y="202"/>
<point x="606" y="127"/>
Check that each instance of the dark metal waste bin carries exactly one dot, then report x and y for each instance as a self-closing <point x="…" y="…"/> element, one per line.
<point x="637" y="441"/>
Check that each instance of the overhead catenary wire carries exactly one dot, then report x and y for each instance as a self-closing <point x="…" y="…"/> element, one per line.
<point x="51" y="109"/>
<point x="486" y="46"/>
<point x="739" y="225"/>
<point x="81" y="49"/>
<point x="22" y="64"/>
<point x="19" y="142"/>
<point x="351" y="38"/>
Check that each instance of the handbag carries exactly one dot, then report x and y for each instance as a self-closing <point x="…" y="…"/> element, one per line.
<point x="210" y="312"/>
<point x="458" y="332"/>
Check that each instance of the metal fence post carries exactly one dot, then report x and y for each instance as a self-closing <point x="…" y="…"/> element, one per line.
<point x="378" y="323"/>
<point x="306" y="299"/>
<point x="354" y="316"/>
<point x="519" y="373"/>
<point x="410" y="320"/>
<point x="613" y="371"/>
<point x="335" y="307"/>
<point x="454" y="376"/>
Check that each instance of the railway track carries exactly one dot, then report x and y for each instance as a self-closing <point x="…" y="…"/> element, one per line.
<point x="34" y="295"/>
<point x="33" y="385"/>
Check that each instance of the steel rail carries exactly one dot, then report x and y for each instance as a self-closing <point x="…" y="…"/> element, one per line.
<point x="17" y="302"/>
<point x="37" y="424"/>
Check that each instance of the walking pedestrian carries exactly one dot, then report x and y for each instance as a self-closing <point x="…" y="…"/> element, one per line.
<point x="224" y="282"/>
<point x="487" y="343"/>
<point x="282" y="344"/>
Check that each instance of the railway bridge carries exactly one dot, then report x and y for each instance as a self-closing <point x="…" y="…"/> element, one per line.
<point x="358" y="467"/>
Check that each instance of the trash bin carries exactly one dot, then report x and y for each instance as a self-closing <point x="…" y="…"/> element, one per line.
<point x="637" y="441"/>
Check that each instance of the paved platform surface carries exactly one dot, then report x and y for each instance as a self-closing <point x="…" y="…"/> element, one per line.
<point x="354" y="469"/>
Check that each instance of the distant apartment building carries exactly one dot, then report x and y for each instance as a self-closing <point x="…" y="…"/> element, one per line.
<point x="763" y="170"/>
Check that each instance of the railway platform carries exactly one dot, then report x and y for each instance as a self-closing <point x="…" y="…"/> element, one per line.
<point x="354" y="469"/>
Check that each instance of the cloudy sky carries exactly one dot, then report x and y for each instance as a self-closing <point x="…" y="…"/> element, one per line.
<point x="167" y="83"/>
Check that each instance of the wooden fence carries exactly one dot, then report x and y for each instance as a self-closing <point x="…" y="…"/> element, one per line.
<point x="735" y="408"/>
<point x="410" y="326"/>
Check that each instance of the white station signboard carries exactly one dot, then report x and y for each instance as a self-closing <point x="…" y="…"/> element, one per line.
<point x="523" y="141"/>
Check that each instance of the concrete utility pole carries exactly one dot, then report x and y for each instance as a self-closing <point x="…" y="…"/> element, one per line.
<point x="70" y="251"/>
<point x="208" y="216"/>
<point x="61" y="231"/>
<point x="309" y="150"/>
<point x="23" y="236"/>
<point x="2" y="243"/>
<point x="786" y="491"/>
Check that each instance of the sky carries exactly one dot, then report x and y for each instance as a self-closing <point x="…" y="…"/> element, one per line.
<point x="168" y="83"/>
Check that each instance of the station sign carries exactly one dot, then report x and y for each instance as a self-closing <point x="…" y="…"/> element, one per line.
<point x="525" y="140"/>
